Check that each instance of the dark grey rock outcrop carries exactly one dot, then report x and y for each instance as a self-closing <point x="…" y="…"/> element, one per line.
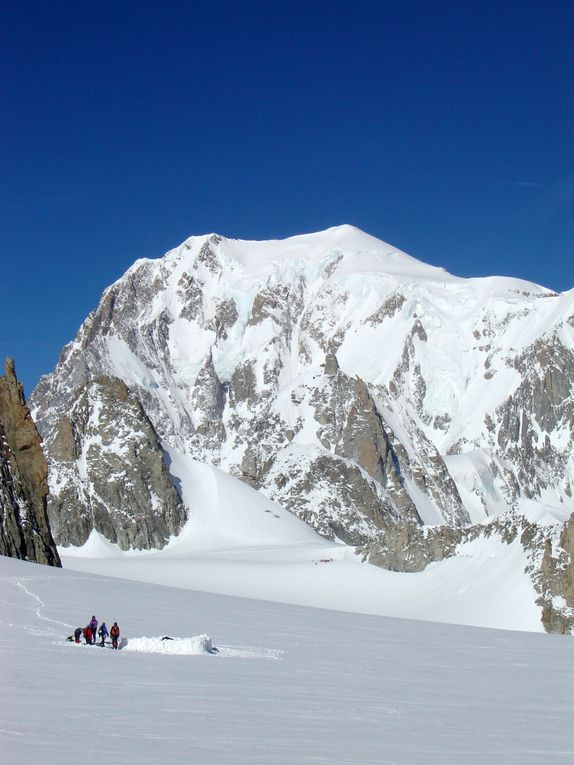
<point x="541" y="406"/>
<point x="408" y="547"/>
<point x="24" y="528"/>
<point x="112" y="472"/>
<point x="555" y="582"/>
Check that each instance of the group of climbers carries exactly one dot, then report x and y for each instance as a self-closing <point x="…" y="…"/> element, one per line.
<point x="91" y="631"/>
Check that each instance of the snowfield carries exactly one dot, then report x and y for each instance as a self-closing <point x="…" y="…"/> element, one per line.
<point x="252" y="674"/>
<point x="289" y="685"/>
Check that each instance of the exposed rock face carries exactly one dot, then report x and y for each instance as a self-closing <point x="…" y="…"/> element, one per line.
<point x="360" y="477"/>
<point x="112" y="473"/>
<point x="556" y="581"/>
<point x="408" y="547"/>
<point x="24" y="529"/>
<point x="537" y="420"/>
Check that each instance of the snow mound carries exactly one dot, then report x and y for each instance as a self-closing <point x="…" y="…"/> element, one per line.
<point x="190" y="646"/>
<point x="96" y="546"/>
<point x="196" y="646"/>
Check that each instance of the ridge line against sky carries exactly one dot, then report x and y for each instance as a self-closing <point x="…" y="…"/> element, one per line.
<point x="443" y="130"/>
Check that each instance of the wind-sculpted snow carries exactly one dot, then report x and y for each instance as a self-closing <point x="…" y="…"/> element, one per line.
<point x="191" y="646"/>
<point x="195" y="646"/>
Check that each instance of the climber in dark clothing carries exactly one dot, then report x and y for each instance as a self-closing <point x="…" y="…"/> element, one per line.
<point x="114" y="634"/>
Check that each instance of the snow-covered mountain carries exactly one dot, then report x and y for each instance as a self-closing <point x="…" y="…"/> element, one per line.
<point x="366" y="392"/>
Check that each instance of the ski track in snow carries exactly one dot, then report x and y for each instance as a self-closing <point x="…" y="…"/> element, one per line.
<point x="226" y="651"/>
<point x="39" y="604"/>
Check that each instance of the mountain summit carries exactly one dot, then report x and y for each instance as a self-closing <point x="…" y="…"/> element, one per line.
<point x="358" y="387"/>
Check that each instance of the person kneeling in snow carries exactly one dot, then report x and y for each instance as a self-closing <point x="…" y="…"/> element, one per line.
<point x="88" y="635"/>
<point x="114" y="634"/>
<point x="103" y="632"/>
<point x="77" y="634"/>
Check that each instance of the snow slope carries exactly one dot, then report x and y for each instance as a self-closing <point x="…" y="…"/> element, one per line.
<point x="289" y="686"/>
<point x="237" y="542"/>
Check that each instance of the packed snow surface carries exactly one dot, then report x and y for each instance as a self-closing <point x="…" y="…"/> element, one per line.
<point x="288" y="685"/>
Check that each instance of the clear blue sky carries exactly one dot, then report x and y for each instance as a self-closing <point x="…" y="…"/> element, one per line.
<point x="444" y="128"/>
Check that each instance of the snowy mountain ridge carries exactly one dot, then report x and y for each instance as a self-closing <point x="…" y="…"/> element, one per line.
<point x="359" y="388"/>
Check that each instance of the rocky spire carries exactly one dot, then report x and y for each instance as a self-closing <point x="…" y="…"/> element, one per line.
<point x="24" y="528"/>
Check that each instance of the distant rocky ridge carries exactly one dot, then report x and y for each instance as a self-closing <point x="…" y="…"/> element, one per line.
<point x="370" y="394"/>
<point x="24" y="528"/>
